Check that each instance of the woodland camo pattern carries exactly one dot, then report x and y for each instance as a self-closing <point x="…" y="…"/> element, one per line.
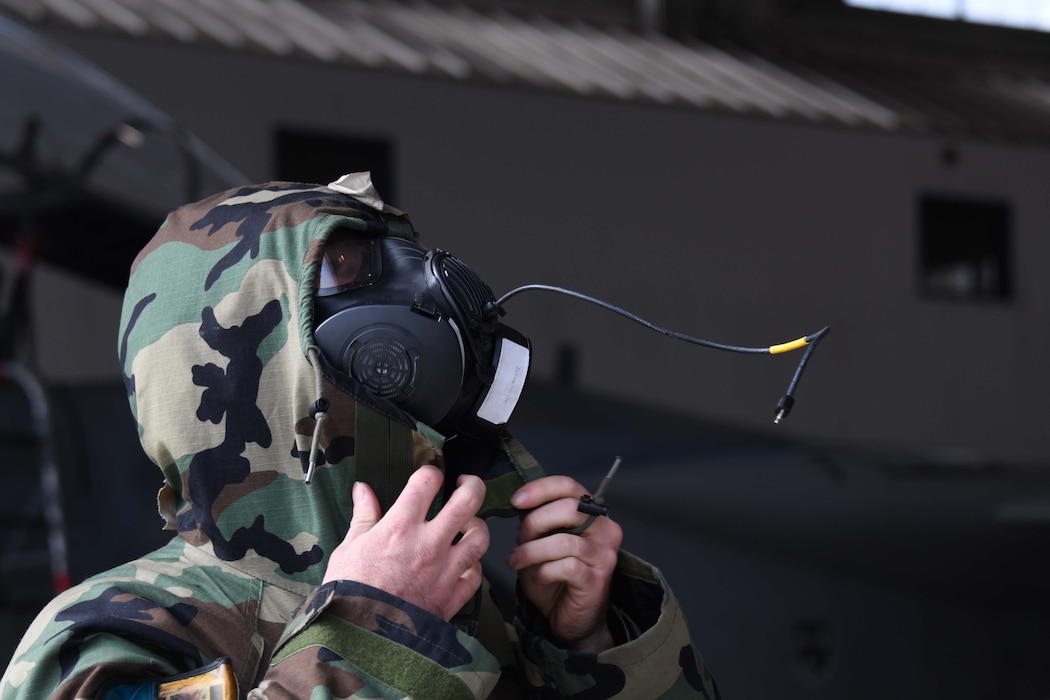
<point x="214" y="339"/>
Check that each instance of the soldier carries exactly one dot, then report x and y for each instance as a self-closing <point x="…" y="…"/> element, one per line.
<point x="290" y="356"/>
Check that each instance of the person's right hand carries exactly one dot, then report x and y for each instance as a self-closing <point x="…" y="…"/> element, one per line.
<point x="410" y="557"/>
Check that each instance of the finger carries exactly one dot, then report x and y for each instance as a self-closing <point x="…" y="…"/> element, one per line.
<point x="465" y="564"/>
<point x="471" y="546"/>
<point x="460" y="507"/>
<point x="569" y="571"/>
<point x="465" y="587"/>
<point x="366" y="508"/>
<point x="559" y="546"/>
<point x="414" y="500"/>
<point x="550" y="517"/>
<point x="601" y="553"/>
<point x="549" y="488"/>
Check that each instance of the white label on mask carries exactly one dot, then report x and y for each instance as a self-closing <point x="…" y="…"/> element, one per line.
<point x="512" y="368"/>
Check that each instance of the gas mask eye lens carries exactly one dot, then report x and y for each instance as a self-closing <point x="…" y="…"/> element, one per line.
<point x="348" y="262"/>
<point x="345" y="264"/>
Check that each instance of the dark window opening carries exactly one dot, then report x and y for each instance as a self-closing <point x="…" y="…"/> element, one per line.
<point x="307" y="156"/>
<point x="965" y="249"/>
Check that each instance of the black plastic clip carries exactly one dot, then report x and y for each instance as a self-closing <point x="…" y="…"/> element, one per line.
<point x="591" y="507"/>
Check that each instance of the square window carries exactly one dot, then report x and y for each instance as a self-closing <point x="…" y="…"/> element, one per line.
<point x="964" y="249"/>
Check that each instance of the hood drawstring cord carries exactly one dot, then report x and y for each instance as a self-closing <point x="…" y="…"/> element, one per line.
<point x="318" y="411"/>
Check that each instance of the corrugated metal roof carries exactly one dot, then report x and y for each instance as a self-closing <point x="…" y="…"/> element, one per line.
<point x="461" y="43"/>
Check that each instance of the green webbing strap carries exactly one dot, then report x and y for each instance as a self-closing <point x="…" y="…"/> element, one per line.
<point x="522" y="468"/>
<point x="387" y="661"/>
<point x="382" y="454"/>
<point x="497" y="496"/>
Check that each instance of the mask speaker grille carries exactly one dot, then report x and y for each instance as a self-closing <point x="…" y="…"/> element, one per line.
<point x="383" y="365"/>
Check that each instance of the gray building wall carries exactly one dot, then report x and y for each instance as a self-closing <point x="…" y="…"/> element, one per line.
<point x="737" y="229"/>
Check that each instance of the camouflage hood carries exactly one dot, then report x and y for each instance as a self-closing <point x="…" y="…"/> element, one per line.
<point x="215" y="344"/>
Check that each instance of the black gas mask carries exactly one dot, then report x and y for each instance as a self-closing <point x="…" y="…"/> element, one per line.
<point x="419" y="328"/>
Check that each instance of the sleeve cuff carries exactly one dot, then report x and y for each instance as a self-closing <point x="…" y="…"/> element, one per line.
<point x="655" y="656"/>
<point x="389" y="639"/>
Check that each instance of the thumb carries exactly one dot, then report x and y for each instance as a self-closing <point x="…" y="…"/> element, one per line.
<point x="366" y="507"/>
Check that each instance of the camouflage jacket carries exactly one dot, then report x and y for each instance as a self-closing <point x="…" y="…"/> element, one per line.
<point x="215" y="343"/>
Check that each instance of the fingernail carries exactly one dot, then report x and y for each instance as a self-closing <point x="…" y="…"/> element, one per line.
<point x="355" y="492"/>
<point x="511" y="558"/>
<point x="517" y="499"/>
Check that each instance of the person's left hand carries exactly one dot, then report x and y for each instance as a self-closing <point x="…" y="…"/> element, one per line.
<point x="567" y="577"/>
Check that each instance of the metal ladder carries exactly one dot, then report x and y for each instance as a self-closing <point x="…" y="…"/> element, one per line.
<point x="33" y="553"/>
